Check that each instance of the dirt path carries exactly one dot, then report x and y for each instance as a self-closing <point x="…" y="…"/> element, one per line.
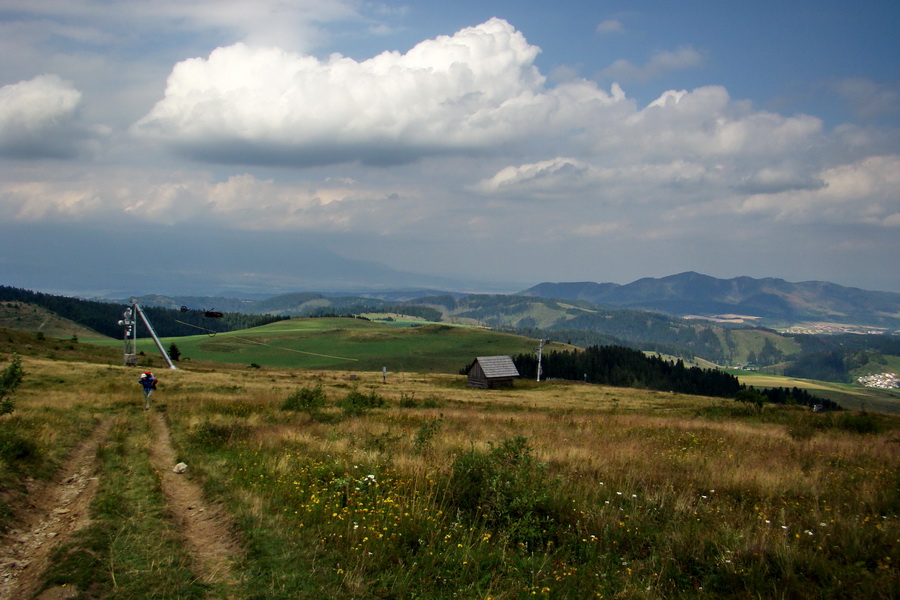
<point x="206" y="528"/>
<point x="59" y="508"/>
<point x="56" y="510"/>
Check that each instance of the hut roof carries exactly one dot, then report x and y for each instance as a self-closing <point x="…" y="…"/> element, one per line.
<point x="497" y="366"/>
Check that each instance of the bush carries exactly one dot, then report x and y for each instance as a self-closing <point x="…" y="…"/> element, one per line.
<point x="15" y="448"/>
<point x="307" y="399"/>
<point x="508" y="489"/>
<point x="751" y="398"/>
<point x="9" y="381"/>
<point x="358" y="403"/>
<point x="861" y="422"/>
<point x="408" y="400"/>
<point x="427" y="433"/>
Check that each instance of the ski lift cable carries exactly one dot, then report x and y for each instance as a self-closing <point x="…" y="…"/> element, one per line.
<point x="209" y="332"/>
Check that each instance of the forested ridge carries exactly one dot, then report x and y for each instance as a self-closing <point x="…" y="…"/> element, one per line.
<point x="103" y="317"/>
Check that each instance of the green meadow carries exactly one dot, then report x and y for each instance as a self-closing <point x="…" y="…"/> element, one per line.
<point x="346" y="343"/>
<point x="338" y="483"/>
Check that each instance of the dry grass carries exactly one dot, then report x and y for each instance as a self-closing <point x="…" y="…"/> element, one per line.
<point x="655" y="494"/>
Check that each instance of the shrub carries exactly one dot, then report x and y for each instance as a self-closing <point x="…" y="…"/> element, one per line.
<point x="861" y="422"/>
<point x="751" y="397"/>
<point x="9" y="381"/>
<point x="408" y="400"/>
<point x="427" y="433"/>
<point x="358" y="403"/>
<point x="15" y="448"/>
<point x="508" y="489"/>
<point x="306" y="398"/>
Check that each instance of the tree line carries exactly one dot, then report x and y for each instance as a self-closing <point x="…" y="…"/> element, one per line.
<point x="625" y="367"/>
<point x="103" y="317"/>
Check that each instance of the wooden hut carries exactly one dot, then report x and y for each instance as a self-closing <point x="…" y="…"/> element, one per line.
<point x="488" y="372"/>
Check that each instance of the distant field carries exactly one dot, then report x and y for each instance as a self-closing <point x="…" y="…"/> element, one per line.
<point x="348" y="344"/>
<point x="849" y="396"/>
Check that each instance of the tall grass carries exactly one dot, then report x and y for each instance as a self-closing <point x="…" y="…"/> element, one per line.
<point x="639" y="497"/>
<point x="556" y="490"/>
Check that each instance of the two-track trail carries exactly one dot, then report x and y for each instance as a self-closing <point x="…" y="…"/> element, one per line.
<point x="55" y="511"/>
<point x="206" y="527"/>
<point x="58" y="509"/>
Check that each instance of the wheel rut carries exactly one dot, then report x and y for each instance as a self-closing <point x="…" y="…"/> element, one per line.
<point x="206" y="527"/>
<point x="54" y="512"/>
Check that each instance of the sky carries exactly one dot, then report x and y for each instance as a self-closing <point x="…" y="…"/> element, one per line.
<point x="172" y="145"/>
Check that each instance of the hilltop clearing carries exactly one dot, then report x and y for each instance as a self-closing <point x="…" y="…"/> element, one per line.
<point x="421" y="487"/>
<point x="350" y="344"/>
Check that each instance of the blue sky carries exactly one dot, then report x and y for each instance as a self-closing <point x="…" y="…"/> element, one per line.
<point x="503" y="143"/>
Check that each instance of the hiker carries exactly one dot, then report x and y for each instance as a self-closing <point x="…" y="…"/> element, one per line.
<point x="149" y="382"/>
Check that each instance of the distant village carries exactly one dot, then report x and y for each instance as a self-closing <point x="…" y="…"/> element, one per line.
<point x="820" y="328"/>
<point x="887" y="381"/>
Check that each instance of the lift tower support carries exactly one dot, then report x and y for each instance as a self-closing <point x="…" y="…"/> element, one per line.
<point x="130" y="324"/>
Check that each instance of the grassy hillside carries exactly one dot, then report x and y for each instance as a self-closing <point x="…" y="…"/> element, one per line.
<point x="423" y="488"/>
<point x="350" y="344"/>
<point x="33" y="318"/>
<point x="360" y="345"/>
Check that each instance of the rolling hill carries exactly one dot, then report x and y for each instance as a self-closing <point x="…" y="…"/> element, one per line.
<point x="349" y="344"/>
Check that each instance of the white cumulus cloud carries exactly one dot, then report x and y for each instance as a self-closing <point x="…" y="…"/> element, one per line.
<point x="701" y="143"/>
<point x="473" y="90"/>
<point x="862" y="192"/>
<point x="37" y="118"/>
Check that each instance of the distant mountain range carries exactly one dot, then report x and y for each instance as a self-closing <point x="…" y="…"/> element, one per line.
<point x="767" y="300"/>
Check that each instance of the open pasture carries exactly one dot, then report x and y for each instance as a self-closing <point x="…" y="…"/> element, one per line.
<point x="419" y="487"/>
<point x="346" y="343"/>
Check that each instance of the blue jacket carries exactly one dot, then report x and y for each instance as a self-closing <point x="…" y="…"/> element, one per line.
<point x="149" y="383"/>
